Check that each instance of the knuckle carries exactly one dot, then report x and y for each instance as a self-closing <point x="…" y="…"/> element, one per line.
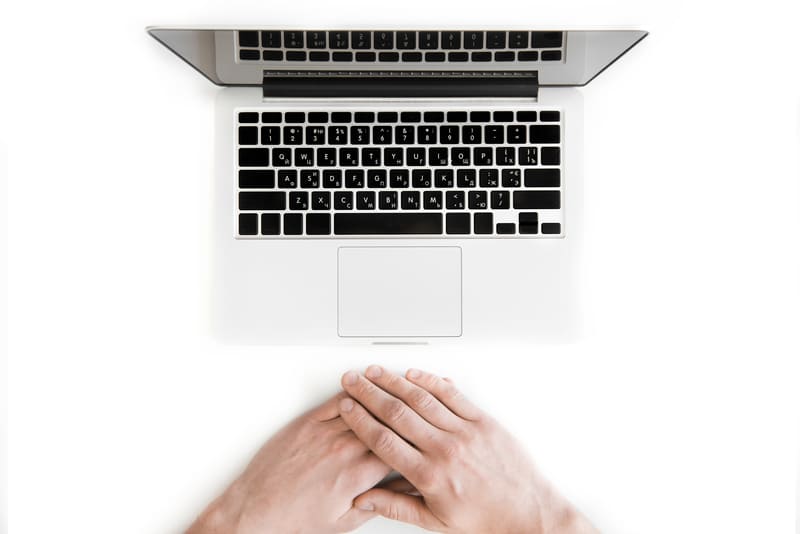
<point x="452" y="449"/>
<point x="393" y="511"/>
<point x="421" y="399"/>
<point x="384" y="442"/>
<point x="395" y="411"/>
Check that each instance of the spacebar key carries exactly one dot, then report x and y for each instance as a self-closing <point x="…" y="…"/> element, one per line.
<point x="387" y="223"/>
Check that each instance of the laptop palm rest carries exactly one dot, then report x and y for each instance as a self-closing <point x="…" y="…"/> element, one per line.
<point x="399" y="291"/>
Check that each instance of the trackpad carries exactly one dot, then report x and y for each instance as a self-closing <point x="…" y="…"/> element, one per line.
<point x="399" y="291"/>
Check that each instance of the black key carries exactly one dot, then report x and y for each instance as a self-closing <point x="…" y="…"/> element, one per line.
<point x="503" y="116"/>
<point x="248" y="39"/>
<point x="483" y="223"/>
<point x="434" y="56"/>
<point x="292" y="135"/>
<point x="528" y="56"/>
<point x="537" y="200"/>
<point x="343" y="200"/>
<point x="295" y="117"/>
<point x="406" y="40"/>
<point x="359" y="135"/>
<point x="501" y="200"/>
<point x="271" y="117"/>
<point x="271" y="39"/>
<point x="494" y="134"/>
<point x="517" y="134"/>
<point x="528" y="155"/>
<point x="546" y="39"/>
<point x="511" y="178"/>
<point x="365" y="116"/>
<point x="421" y="178"/>
<point x="466" y="178"/>
<point x="365" y="56"/>
<point x="281" y="157"/>
<point x="551" y="155"/>
<point x="262" y="201"/>
<point x="443" y="178"/>
<point x="393" y="157"/>
<point x="429" y="40"/>
<point x="454" y="200"/>
<point x="389" y="56"/>
<point x="404" y="135"/>
<point x="370" y="157"/>
<point x="326" y="157"/>
<point x="551" y="55"/>
<point x="529" y="223"/>
<point x="545" y="133"/>
<point x="253" y="157"/>
<point x="249" y="55"/>
<point x="315" y="40"/>
<point x="365" y="200"/>
<point x="337" y="135"/>
<point x="526" y="116"/>
<point x="480" y="116"/>
<point x="315" y="135"/>
<point x="550" y="116"/>
<point x="318" y="224"/>
<point x="473" y="40"/>
<point x="294" y="55"/>
<point x="270" y="223"/>
<point x="434" y="116"/>
<point x="551" y="228"/>
<point x="354" y="179"/>
<point x="505" y="156"/>
<point x="415" y="157"/>
<point x="506" y="228"/>
<point x="488" y="178"/>
<point x="495" y="40"/>
<point x="381" y="135"/>
<point x="319" y="56"/>
<point x="298" y="200"/>
<point x="398" y="178"/>
<point x="309" y="179"/>
<point x="287" y="179"/>
<point x="272" y="55"/>
<point x="518" y="39"/>
<point x="542" y="177"/>
<point x="387" y="200"/>
<point x="303" y="157"/>
<point x="332" y="179"/>
<point x="412" y="56"/>
<point x="460" y="156"/>
<point x="458" y="57"/>
<point x="426" y="135"/>
<point x="432" y="200"/>
<point x="248" y="117"/>
<point x="340" y="117"/>
<point x="376" y="178"/>
<point x="483" y="156"/>
<point x="321" y="200"/>
<point x="342" y="56"/>
<point x="361" y="40"/>
<point x="458" y="223"/>
<point x="338" y="40"/>
<point x="387" y="116"/>
<point x="248" y="135"/>
<point x="456" y="116"/>
<point x="471" y="135"/>
<point x="504" y="56"/>
<point x="348" y="157"/>
<point x="451" y="40"/>
<point x="248" y="223"/>
<point x="409" y="200"/>
<point x="477" y="200"/>
<point x="481" y="56"/>
<point x="384" y="40"/>
<point x="448" y="135"/>
<point x="387" y="223"/>
<point x="437" y="157"/>
<point x="256" y="179"/>
<point x="292" y="224"/>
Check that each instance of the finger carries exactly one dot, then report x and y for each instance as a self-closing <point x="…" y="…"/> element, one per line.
<point x="446" y="392"/>
<point x="386" y="445"/>
<point x="400" y="485"/>
<point x="393" y="412"/>
<point x="328" y="409"/>
<point x="420" y="400"/>
<point x="400" y="507"/>
<point x="354" y="518"/>
<point x="336" y="425"/>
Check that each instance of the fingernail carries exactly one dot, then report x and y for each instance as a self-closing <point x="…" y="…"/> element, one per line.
<point x="346" y="405"/>
<point x="414" y="373"/>
<point x="373" y="371"/>
<point x="350" y="378"/>
<point x="367" y="507"/>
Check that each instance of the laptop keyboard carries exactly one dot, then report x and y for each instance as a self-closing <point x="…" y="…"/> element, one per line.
<point x="407" y="173"/>
<point x="399" y="47"/>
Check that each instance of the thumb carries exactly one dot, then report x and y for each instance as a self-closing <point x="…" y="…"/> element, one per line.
<point x="400" y="507"/>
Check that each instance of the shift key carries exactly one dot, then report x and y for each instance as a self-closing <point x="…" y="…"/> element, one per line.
<point x="537" y="200"/>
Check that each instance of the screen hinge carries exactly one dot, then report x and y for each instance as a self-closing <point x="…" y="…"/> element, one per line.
<point x="399" y="84"/>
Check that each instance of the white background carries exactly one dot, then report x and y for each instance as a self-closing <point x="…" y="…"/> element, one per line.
<point x="676" y="412"/>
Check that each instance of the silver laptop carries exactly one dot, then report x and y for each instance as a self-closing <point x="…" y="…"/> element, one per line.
<point x="396" y="185"/>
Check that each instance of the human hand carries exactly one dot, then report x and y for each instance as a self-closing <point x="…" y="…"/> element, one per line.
<point x="462" y="471"/>
<point x="304" y="479"/>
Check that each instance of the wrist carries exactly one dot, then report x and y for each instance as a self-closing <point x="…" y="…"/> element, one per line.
<point x="221" y="516"/>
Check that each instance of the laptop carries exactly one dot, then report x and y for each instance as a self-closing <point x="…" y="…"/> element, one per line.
<point x="397" y="185"/>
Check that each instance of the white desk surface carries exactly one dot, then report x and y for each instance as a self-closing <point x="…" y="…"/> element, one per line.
<point x="674" y="412"/>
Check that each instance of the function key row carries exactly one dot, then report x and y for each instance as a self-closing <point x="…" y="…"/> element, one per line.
<point x="345" y="117"/>
<point x="401" y="40"/>
<point x="396" y="57"/>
